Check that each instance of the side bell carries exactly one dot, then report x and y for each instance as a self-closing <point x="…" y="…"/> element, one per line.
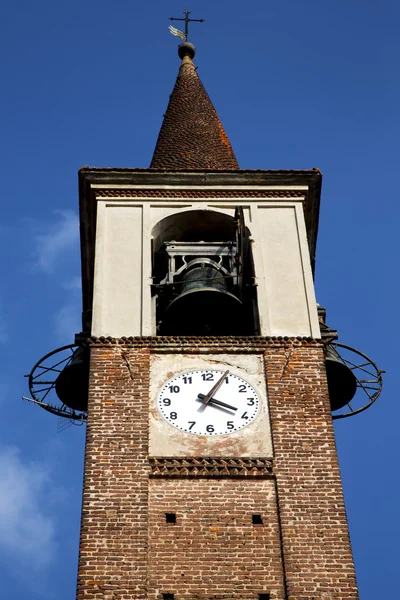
<point x="73" y="381"/>
<point x="342" y="383"/>
<point x="204" y="306"/>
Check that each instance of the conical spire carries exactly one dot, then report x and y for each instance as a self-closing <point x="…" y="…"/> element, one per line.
<point x="191" y="136"/>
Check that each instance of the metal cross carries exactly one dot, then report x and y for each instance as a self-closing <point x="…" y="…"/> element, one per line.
<point x="187" y="21"/>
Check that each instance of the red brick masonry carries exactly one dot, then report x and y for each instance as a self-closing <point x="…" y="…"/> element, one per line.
<point x="191" y="136"/>
<point x="128" y="551"/>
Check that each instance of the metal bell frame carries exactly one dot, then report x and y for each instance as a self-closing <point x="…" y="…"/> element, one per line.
<point x="43" y="391"/>
<point x="368" y="377"/>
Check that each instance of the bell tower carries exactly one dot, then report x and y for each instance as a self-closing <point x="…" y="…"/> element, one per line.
<point x="208" y="376"/>
<point x="211" y="469"/>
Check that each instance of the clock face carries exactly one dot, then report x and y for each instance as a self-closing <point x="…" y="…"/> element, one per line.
<point x="185" y="402"/>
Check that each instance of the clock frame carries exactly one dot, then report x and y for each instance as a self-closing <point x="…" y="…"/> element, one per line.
<point x="166" y="440"/>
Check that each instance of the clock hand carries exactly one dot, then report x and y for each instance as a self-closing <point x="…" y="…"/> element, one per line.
<point x="208" y="396"/>
<point x="217" y="402"/>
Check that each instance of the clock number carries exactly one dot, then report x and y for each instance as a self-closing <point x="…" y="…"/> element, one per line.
<point x="187" y="380"/>
<point x="166" y="402"/>
<point x="210" y="428"/>
<point x="173" y="416"/>
<point x="250" y="402"/>
<point x="230" y="425"/>
<point x="192" y="424"/>
<point x="242" y="387"/>
<point x="226" y="379"/>
<point x="244" y="415"/>
<point x="207" y="376"/>
<point x="174" y="389"/>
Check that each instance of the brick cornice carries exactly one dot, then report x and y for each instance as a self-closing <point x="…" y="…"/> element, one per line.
<point x="215" y="344"/>
<point x="210" y="467"/>
<point x="178" y="193"/>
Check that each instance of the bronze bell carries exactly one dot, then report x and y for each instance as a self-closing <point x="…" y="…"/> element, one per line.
<point x="73" y="381"/>
<point x="342" y="383"/>
<point x="204" y="306"/>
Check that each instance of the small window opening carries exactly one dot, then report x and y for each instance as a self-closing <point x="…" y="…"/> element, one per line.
<point x="257" y="520"/>
<point x="168" y="596"/>
<point x="170" y="518"/>
<point x="263" y="597"/>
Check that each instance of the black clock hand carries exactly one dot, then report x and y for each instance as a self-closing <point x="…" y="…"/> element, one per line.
<point x="208" y="396"/>
<point x="217" y="402"/>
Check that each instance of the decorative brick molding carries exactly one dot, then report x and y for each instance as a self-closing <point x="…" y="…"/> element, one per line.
<point x="211" y="467"/>
<point x="170" y="193"/>
<point x="217" y="345"/>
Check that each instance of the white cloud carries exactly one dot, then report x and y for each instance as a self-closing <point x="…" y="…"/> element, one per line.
<point x="63" y="235"/>
<point x="26" y="531"/>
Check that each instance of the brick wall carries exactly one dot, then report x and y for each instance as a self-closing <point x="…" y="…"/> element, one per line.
<point x="317" y="552"/>
<point x="214" y="549"/>
<point x="113" y="548"/>
<point x="128" y="550"/>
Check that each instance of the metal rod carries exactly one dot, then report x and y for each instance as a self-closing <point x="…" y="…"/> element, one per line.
<point x="187" y="20"/>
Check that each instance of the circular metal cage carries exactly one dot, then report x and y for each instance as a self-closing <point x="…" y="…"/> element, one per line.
<point x="42" y="384"/>
<point x="43" y="376"/>
<point x="368" y="378"/>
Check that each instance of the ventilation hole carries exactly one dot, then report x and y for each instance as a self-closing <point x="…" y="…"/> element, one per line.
<point x="257" y="520"/>
<point x="263" y="597"/>
<point x="171" y="597"/>
<point x="170" y="518"/>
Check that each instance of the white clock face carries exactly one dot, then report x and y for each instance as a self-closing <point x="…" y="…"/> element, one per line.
<point x="185" y="402"/>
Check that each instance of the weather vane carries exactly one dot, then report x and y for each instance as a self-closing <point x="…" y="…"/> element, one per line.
<point x="181" y="34"/>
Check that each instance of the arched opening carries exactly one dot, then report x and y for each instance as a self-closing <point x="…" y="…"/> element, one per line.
<point x="203" y="278"/>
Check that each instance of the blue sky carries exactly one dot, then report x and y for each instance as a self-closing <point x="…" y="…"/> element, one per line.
<point x="296" y="85"/>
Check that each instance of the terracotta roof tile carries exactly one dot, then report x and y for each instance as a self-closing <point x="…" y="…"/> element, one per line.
<point x="191" y="136"/>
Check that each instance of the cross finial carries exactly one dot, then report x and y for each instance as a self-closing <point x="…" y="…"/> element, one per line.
<point x="187" y="20"/>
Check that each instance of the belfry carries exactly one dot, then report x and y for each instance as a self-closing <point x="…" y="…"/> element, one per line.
<point x="208" y="377"/>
